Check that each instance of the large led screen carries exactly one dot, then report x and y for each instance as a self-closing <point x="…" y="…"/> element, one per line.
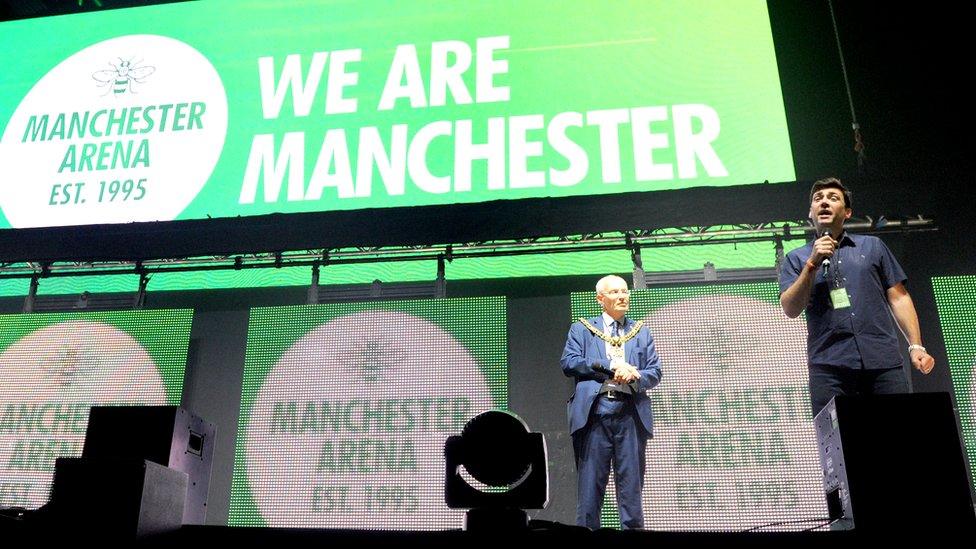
<point x="55" y="367"/>
<point x="346" y="408"/>
<point x="232" y="107"/>
<point x="954" y="298"/>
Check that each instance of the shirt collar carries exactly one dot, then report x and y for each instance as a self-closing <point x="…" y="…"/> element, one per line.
<point x="608" y="321"/>
<point x="844" y="237"/>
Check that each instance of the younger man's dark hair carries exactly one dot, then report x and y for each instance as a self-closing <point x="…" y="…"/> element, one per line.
<point x="832" y="183"/>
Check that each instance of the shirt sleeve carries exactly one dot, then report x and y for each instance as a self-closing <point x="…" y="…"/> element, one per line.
<point x="890" y="271"/>
<point x="789" y="271"/>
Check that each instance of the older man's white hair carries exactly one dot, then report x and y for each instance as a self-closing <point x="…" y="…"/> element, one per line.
<point x="602" y="283"/>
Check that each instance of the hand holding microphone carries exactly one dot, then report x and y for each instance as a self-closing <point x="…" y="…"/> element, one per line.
<point x="823" y="250"/>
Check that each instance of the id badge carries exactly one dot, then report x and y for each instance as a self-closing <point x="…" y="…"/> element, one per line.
<point x="838" y="297"/>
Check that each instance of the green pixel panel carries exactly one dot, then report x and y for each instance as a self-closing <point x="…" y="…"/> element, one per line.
<point x="330" y="105"/>
<point x="954" y="298"/>
<point x="734" y="444"/>
<point x="55" y="367"/>
<point x="346" y="408"/>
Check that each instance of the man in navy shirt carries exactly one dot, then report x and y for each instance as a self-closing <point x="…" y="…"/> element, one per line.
<point x="852" y="344"/>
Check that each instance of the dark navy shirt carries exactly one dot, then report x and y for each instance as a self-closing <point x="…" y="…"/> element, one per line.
<point x="863" y="335"/>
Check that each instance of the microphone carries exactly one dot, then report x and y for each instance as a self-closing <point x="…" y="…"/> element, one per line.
<point x="825" y="264"/>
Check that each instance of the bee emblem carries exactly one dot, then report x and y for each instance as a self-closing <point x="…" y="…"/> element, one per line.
<point x="121" y="78"/>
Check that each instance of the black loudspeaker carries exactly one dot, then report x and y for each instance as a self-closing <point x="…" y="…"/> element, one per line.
<point x="122" y="498"/>
<point x="167" y="435"/>
<point x="893" y="463"/>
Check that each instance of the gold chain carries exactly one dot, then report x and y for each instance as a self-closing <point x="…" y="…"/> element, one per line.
<point x="616" y="341"/>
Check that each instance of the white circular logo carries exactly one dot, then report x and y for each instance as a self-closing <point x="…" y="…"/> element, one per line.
<point x="348" y="428"/>
<point x="128" y="129"/>
<point x="48" y="381"/>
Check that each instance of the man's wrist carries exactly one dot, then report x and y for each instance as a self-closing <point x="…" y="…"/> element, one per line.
<point x="916" y="346"/>
<point x="810" y="266"/>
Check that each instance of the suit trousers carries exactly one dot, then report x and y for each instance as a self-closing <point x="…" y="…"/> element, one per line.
<point x="613" y="437"/>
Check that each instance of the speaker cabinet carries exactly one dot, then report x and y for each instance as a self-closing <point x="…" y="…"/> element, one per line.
<point x="121" y="498"/>
<point x="167" y="435"/>
<point x="893" y="462"/>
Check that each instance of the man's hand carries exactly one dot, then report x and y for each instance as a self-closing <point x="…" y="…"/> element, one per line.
<point x="625" y="373"/>
<point x="823" y="248"/>
<point x="922" y="361"/>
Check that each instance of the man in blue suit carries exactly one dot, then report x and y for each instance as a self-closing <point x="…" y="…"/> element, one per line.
<point x="614" y="362"/>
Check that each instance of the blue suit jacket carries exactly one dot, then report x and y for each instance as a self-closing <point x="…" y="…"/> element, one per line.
<point x="585" y="358"/>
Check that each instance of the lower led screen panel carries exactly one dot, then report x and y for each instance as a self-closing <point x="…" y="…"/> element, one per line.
<point x="734" y="445"/>
<point x="346" y="407"/>
<point x="55" y="367"/>
<point x="954" y="298"/>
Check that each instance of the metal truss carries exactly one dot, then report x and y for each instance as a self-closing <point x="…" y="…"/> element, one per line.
<point x="633" y="240"/>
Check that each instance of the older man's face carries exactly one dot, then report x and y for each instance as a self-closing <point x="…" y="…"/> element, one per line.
<point x="614" y="297"/>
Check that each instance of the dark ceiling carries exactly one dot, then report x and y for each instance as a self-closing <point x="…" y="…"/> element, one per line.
<point x="25" y="9"/>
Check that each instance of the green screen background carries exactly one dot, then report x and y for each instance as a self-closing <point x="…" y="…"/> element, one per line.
<point x="54" y="367"/>
<point x="474" y="328"/>
<point x="572" y="56"/>
<point x="954" y="297"/>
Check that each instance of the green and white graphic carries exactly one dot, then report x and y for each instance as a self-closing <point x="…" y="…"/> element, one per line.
<point x="734" y="444"/>
<point x="954" y="297"/>
<point x="128" y="129"/>
<point x="226" y="107"/>
<point x="345" y="410"/>
<point x="54" y="367"/>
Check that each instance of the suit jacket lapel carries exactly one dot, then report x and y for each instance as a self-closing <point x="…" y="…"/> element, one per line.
<point x="601" y="345"/>
<point x="629" y="346"/>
